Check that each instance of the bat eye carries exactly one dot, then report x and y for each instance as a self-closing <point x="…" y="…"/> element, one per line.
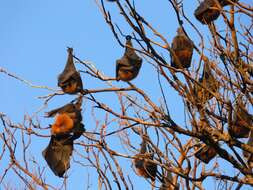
<point x="128" y="37"/>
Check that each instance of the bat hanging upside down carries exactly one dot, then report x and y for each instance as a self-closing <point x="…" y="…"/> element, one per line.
<point x="66" y="128"/>
<point x="206" y="153"/>
<point x="143" y="163"/>
<point x="182" y="47"/>
<point x="209" y="10"/>
<point x="128" y="67"/>
<point x="209" y="83"/>
<point x="242" y="121"/>
<point x="70" y="80"/>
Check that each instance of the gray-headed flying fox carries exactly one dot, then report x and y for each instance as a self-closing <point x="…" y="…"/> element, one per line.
<point x="128" y="67"/>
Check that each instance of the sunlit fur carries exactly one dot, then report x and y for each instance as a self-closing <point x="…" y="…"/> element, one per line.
<point x="63" y="124"/>
<point x="128" y="67"/>
<point x="145" y="168"/>
<point x="126" y="75"/>
<point x="206" y="153"/>
<point x="71" y="87"/>
<point x="207" y="11"/>
<point x="182" y="46"/>
<point x="70" y="80"/>
<point x="242" y="123"/>
<point x="209" y="16"/>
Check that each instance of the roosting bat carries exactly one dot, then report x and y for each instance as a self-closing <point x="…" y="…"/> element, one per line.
<point x="143" y="163"/>
<point x="182" y="46"/>
<point x="206" y="153"/>
<point x="242" y="121"/>
<point x="128" y="67"/>
<point x="65" y="130"/>
<point x="70" y="80"/>
<point x="68" y="118"/>
<point x="207" y="11"/>
<point x="208" y="81"/>
<point x="58" y="152"/>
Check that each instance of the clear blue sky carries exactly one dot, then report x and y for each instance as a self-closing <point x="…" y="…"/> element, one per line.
<point x="33" y="40"/>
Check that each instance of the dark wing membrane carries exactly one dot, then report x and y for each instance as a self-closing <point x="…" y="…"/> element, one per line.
<point x="69" y="69"/>
<point x="58" y="153"/>
<point x="118" y="63"/>
<point x="242" y="121"/>
<point x="69" y="108"/>
<point x="206" y="153"/>
<point x="65" y="76"/>
<point x="151" y="169"/>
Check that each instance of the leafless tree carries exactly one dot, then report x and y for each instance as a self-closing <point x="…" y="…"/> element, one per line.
<point x="215" y="88"/>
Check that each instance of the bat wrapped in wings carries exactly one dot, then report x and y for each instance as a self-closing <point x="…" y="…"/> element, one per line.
<point x="242" y="121"/>
<point x="128" y="67"/>
<point x="70" y="80"/>
<point x="208" y="84"/>
<point x="143" y="163"/>
<point x="208" y="10"/>
<point x="205" y="153"/>
<point x="182" y="47"/>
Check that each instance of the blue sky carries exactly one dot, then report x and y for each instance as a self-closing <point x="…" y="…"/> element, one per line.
<point x="34" y="36"/>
